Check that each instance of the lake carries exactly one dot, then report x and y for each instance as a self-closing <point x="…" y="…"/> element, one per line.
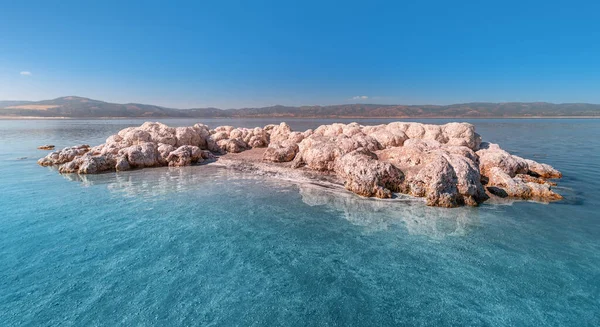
<point x="205" y="245"/>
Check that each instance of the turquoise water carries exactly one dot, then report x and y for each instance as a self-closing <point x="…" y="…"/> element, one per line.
<point x="208" y="246"/>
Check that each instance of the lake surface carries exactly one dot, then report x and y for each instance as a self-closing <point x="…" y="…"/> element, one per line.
<point x="208" y="246"/>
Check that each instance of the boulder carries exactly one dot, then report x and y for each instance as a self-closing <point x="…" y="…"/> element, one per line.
<point x="232" y="145"/>
<point x="447" y="176"/>
<point x="95" y="164"/>
<point x="364" y="175"/>
<point x="279" y="153"/>
<point x="185" y="155"/>
<point x="159" y="133"/>
<point x="437" y="182"/>
<point x="122" y="164"/>
<point x="491" y="155"/>
<point x="144" y="154"/>
<point x="279" y="133"/>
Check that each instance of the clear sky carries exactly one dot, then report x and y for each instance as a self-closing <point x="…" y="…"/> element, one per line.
<point x="255" y="53"/>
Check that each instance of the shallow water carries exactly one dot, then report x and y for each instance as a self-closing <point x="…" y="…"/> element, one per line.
<point x="208" y="246"/>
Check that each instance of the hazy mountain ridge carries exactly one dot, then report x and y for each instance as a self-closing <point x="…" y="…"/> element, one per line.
<point x="78" y="107"/>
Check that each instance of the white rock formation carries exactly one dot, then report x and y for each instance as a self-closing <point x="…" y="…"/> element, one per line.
<point x="447" y="164"/>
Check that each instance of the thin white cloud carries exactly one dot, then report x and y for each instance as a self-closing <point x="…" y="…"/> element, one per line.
<point x="26" y="73"/>
<point x="360" y="97"/>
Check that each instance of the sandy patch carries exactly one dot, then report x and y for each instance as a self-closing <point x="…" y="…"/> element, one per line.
<point x="33" y="107"/>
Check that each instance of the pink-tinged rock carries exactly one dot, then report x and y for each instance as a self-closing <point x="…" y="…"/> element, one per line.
<point x="187" y="136"/>
<point x="279" y="153"/>
<point x="227" y="129"/>
<point x="447" y="176"/>
<point x="136" y="136"/>
<point x="184" y="156"/>
<point x="491" y="155"/>
<point x="387" y="138"/>
<point x="538" y="180"/>
<point x="160" y="133"/>
<point x="503" y="185"/>
<point x="96" y="164"/>
<point x="542" y="170"/>
<point x="232" y="145"/>
<point x="279" y="133"/>
<point x="462" y="134"/>
<point x="364" y="175"/>
<point x="163" y="152"/>
<point x="467" y="175"/>
<point x="318" y="152"/>
<point x="435" y="162"/>
<point x="63" y="156"/>
<point x="352" y="129"/>
<point x="142" y="155"/>
<point x="257" y="141"/>
<point x="437" y="182"/>
<point x="204" y="132"/>
<point x="122" y="164"/>
<point x="220" y="135"/>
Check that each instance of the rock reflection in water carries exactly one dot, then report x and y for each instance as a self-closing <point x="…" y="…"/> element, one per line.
<point x="377" y="214"/>
<point x="372" y="214"/>
<point x="164" y="180"/>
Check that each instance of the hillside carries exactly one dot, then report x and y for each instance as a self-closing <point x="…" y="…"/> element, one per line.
<point x="78" y="107"/>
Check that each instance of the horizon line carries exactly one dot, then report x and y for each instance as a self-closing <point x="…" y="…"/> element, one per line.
<point x="312" y="105"/>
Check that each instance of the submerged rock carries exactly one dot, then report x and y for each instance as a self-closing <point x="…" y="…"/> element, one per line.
<point x="448" y="165"/>
<point x="46" y="147"/>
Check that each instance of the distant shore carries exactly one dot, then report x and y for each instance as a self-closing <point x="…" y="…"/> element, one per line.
<point x="287" y="117"/>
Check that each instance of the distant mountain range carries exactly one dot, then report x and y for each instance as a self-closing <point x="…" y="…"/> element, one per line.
<point x="78" y="107"/>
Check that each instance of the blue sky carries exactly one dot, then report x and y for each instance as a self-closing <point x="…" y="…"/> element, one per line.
<point x="256" y="53"/>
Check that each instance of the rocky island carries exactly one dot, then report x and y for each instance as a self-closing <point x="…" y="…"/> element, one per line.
<point x="448" y="165"/>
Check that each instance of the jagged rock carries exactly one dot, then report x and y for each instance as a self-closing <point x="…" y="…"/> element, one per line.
<point x="279" y="133"/>
<point x="533" y="179"/>
<point x="462" y="134"/>
<point x="509" y="175"/>
<point x="122" y="164"/>
<point x="220" y="135"/>
<point x="187" y="136"/>
<point x="502" y="184"/>
<point x="319" y="152"/>
<point x="136" y="136"/>
<point x="163" y="152"/>
<point x="159" y="133"/>
<point x="226" y="129"/>
<point x="447" y="176"/>
<point x="278" y="153"/>
<point x="387" y="137"/>
<point x="144" y="154"/>
<point x="63" y="156"/>
<point x="437" y="181"/>
<point x="204" y="133"/>
<point x="185" y="155"/>
<point x="541" y="170"/>
<point x="491" y="155"/>
<point x="364" y="175"/>
<point x="232" y="145"/>
<point x="94" y="164"/>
